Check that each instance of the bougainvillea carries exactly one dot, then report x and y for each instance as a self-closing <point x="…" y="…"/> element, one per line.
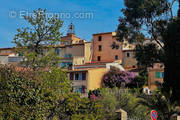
<point x="115" y="77"/>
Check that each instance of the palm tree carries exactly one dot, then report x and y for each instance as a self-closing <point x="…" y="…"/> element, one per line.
<point x="161" y="103"/>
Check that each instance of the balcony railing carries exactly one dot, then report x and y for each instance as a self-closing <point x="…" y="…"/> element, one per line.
<point x="14" y="59"/>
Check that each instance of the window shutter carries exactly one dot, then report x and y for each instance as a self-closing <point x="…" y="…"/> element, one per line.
<point x="80" y="76"/>
<point x="83" y="89"/>
<point x="157" y="74"/>
<point x="71" y="76"/>
<point x="83" y="76"/>
<point x="162" y="75"/>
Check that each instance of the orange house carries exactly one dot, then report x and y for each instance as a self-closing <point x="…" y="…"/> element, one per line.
<point x="102" y="48"/>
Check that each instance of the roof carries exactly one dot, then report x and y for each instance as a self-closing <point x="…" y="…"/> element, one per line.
<point x="6" y="48"/>
<point x="62" y="46"/>
<point x="102" y="33"/>
<point x="6" y="54"/>
<point x="99" y="62"/>
<point x="83" y="70"/>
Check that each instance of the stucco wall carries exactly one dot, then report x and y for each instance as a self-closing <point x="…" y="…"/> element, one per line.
<point x="128" y="61"/>
<point x="152" y="78"/>
<point x="3" y="59"/>
<point x="88" y="52"/>
<point x="107" y="53"/>
<point x="95" y="77"/>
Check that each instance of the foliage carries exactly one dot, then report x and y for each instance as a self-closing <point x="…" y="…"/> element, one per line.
<point x="148" y="54"/>
<point x="154" y="19"/>
<point x="142" y="19"/>
<point x="36" y="42"/>
<point x="161" y="103"/>
<point x="25" y="94"/>
<point x="115" y="98"/>
<point x="75" y="108"/>
<point x="94" y="94"/>
<point x="115" y="77"/>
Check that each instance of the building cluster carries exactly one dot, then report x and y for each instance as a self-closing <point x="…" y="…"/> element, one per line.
<point x="87" y="62"/>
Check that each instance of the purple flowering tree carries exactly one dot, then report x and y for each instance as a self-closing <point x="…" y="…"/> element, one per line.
<point x="115" y="77"/>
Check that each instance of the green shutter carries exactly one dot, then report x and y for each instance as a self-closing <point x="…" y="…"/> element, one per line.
<point x="157" y="74"/>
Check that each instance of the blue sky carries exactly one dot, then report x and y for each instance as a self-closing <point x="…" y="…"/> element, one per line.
<point x="105" y="16"/>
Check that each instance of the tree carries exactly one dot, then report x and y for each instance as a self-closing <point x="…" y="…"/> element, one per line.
<point x="35" y="42"/>
<point x="75" y="108"/>
<point x="27" y="94"/>
<point x="153" y="19"/>
<point x="148" y="54"/>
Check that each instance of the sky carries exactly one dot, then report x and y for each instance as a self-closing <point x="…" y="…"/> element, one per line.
<point x="88" y="16"/>
<point x="97" y="16"/>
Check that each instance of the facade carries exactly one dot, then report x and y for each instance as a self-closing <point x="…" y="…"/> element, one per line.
<point x="73" y="51"/>
<point x="102" y="48"/>
<point x="84" y="80"/>
<point x="8" y="56"/>
<point x="128" y="60"/>
<point x="155" y="74"/>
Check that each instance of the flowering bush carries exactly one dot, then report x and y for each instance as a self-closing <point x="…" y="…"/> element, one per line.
<point x="115" y="77"/>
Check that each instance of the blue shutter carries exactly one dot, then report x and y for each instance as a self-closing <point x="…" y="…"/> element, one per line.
<point x="66" y="56"/>
<point x="80" y="90"/>
<point x="162" y="75"/>
<point x="80" y="76"/>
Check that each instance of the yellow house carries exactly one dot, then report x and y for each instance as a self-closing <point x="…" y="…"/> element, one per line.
<point x="87" y="79"/>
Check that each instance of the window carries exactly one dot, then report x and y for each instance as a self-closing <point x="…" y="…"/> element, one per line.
<point x="157" y="75"/>
<point x="100" y="48"/>
<point x="99" y="38"/>
<point x="70" y="55"/>
<point x="116" y="57"/>
<point x="79" y="89"/>
<point x="76" y="76"/>
<point x="83" y="76"/>
<point x="117" y="47"/>
<point x="83" y="89"/>
<point x="57" y="50"/>
<point x="71" y="76"/>
<point x="80" y="76"/>
<point x="66" y="55"/>
<point x="128" y="54"/>
<point x="99" y="58"/>
<point x="66" y="43"/>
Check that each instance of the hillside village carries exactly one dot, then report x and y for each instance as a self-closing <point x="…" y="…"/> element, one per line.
<point x="86" y="62"/>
